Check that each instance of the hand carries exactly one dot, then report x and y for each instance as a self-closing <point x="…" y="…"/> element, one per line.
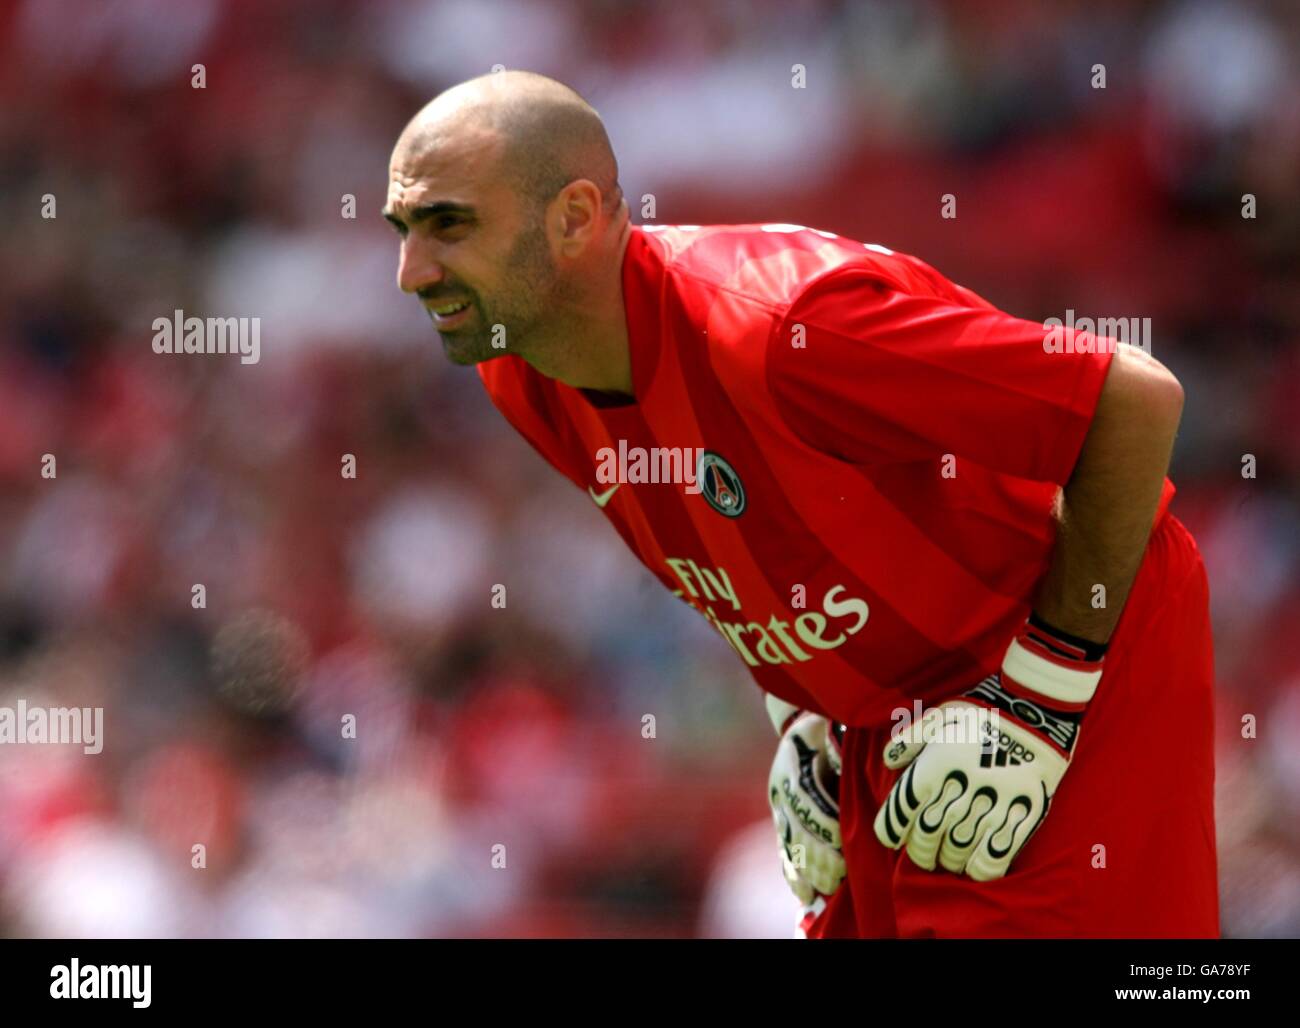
<point x="982" y="769"/>
<point x="803" y="791"/>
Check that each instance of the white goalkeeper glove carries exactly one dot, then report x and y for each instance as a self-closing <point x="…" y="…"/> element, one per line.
<point x="982" y="769"/>
<point x="803" y="791"/>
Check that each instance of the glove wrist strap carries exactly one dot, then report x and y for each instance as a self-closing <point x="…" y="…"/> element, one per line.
<point x="1053" y="664"/>
<point x="781" y="713"/>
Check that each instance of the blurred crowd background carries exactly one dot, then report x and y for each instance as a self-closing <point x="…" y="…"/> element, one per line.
<point x="517" y="735"/>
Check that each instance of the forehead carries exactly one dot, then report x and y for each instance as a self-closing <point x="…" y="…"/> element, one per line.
<point x="448" y="161"/>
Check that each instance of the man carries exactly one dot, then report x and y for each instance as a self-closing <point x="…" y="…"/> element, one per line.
<point x="901" y="501"/>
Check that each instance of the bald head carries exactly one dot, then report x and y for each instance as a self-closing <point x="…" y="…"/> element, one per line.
<point x="534" y="132"/>
<point x="504" y="191"/>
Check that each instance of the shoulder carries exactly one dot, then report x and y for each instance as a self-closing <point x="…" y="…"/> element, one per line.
<point x="772" y="267"/>
<point x="769" y="264"/>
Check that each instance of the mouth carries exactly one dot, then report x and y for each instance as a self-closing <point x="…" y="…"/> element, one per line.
<point x="449" y="315"/>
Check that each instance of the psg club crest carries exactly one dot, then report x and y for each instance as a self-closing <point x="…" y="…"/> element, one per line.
<point x="720" y="485"/>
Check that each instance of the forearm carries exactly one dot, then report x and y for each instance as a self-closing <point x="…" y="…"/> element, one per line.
<point x="1107" y="508"/>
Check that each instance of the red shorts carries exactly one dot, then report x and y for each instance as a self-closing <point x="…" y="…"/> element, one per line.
<point x="1138" y="797"/>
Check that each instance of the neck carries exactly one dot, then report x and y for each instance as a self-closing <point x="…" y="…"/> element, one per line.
<point x="590" y="348"/>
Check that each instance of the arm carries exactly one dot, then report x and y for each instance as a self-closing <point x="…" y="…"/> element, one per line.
<point x="889" y="376"/>
<point x="1053" y="667"/>
<point x="1107" y="507"/>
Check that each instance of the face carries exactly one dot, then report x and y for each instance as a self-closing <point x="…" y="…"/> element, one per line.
<point x="475" y="255"/>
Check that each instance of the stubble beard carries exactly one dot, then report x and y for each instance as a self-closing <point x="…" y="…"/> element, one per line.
<point x="521" y="309"/>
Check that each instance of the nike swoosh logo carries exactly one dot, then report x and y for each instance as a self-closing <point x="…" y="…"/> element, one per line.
<point x="604" y="497"/>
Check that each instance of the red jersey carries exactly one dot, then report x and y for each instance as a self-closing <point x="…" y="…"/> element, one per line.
<point x="873" y="455"/>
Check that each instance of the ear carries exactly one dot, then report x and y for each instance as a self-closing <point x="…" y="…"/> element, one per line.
<point x="574" y="216"/>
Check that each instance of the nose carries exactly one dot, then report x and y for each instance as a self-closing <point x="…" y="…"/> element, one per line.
<point x="417" y="266"/>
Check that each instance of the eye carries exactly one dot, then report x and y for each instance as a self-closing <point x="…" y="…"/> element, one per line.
<point x="450" y="222"/>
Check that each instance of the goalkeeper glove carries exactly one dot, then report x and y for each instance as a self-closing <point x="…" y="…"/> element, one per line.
<point x="982" y="769"/>
<point x="803" y="791"/>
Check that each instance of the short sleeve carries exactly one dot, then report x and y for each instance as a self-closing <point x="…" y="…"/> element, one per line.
<point x="869" y="373"/>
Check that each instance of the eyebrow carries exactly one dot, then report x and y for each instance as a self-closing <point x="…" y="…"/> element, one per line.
<point x="429" y="210"/>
